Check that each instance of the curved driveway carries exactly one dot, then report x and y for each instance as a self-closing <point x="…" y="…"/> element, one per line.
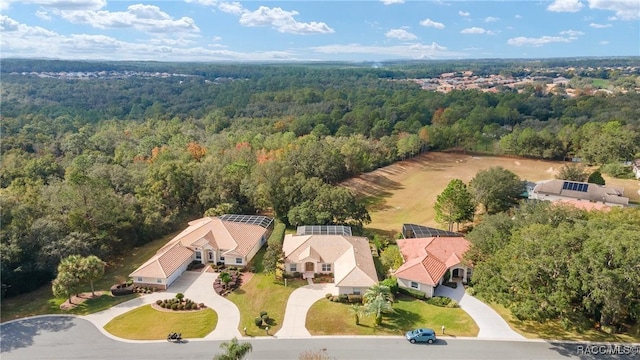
<point x="300" y="300"/>
<point x="195" y="286"/>
<point x="490" y="323"/>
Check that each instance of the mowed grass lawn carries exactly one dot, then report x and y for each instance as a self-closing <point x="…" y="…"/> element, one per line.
<point x="405" y="192"/>
<point x="146" y="323"/>
<point x="263" y="293"/>
<point x="334" y="318"/>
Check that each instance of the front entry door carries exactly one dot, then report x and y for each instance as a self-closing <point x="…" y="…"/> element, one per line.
<point x="308" y="266"/>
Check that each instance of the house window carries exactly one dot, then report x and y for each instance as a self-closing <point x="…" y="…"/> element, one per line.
<point x="415" y="285"/>
<point x="139" y="279"/>
<point x="159" y="281"/>
<point x="326" y="267"/>
<point x="356" y="291"/>
<point x="198" y="255"/>
<point x="221" y="258"/>
<point x="238" y="260"/>
<point x="293" y="267"/>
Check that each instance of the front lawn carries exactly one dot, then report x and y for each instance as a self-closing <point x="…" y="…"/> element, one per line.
<point x="409" y="313"/>
<point x="146" y="323"/>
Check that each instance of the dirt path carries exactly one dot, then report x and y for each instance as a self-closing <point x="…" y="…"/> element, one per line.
<point x="79" y="299"/>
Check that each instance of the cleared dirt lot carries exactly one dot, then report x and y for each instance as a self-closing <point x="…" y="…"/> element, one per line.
<point x="406" y="191"/>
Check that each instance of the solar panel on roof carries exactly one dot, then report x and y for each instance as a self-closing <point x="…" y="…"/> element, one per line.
<point x="324" y="230"/>
<point x="259" y="220"/>
<point x="419" y="231"/>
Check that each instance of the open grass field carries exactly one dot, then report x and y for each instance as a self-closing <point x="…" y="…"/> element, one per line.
<point x="146" y="323"/>
<point x="409" y="314"/>
<point x="41" y="301"/>
<point x="405" y="192"/>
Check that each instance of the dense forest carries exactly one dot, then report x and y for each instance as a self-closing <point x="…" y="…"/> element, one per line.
<point x="95" y="166"/>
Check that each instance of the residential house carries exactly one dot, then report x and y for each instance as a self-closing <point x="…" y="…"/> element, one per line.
<point x="331" y="249"/>
<point x="636" y="168"/>
<point x="228" y="239"/>
<point x="555" y="190"/>
<point x="426" y="261"/>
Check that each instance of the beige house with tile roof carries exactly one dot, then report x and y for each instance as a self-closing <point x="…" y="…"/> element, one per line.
<point x="426" y="260"/>
<point x="347" y="257"/>
<point x="229" y="239"/>
<point x="555" y="190"/>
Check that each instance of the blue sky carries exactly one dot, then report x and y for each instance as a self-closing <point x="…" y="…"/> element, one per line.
<point x="303" y="30"/>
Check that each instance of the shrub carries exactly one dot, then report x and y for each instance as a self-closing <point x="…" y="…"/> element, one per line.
<point x="201" y="305"/>
<point x="413" y="292"/>
<point x="439" y="301"/>
<point x="297" y="274"/>
<point x="617" y="170"/>
<point x="471" y="291"/>
<point x="179" y="296"/>
<point x="194" y="306"/>
<point x="174" y="306"/>
<point x="158" y="302"/>
<point x="392" y="283"/>
<point x="343" y="297"/>
<point x="453" y="304"/>
<point x="265" y="318"/>
<point x="335" y="299"/>
<point x="328" y="295"/>
<point x="263" y="313"/>
<point x="354" y="298"/>
<point x="257" y="321"/>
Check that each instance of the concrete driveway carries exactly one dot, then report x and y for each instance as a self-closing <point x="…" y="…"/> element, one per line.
<point x="492" y="325"/>
<point x="300" y="300"/>
<point x="197" y="286"/>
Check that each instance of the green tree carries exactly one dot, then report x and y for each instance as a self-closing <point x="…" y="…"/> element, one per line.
<point x="377" y="306"/>
<point x="92" y="269"/>
<point x="454" y="204"/>
<point x="378" y="290"/>
<point x="234" y="350"/>
<point x="497" y="189"/>
<point x="69" y="278"/>
<point x="273" y="260"/>
<point x="356" y="310"/>
<point x="390" y="258"/>
<point x="596" y="178"/>
<point x="225" y="278"/>
<point x="572" y="172"/>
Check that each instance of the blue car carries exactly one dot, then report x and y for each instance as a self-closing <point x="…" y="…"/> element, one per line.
<point x="421" y="335"/>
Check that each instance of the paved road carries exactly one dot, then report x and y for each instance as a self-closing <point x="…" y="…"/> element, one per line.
<point x="65" y="337"/>
<point x="492" y="325"/>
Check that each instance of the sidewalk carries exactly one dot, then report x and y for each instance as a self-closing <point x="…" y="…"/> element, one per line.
<point x="492" y="325"/>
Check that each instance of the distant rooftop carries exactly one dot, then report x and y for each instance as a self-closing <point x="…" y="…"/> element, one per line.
<point x="263" y="221"/>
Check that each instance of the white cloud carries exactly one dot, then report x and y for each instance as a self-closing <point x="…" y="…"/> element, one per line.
<point x="21" y="40"/>
<point x="400" y="34"/>
<point x="43" y="15"/>
<point x="203" y="2"/>
<point x="60" y="4"/>
<point x="476" y="30"/>
<point x="625" y="9"/>
<point x="391" y="2"/>
<point x="517" y="16"/>
<point x="599" y="26"/>
<point x="464" y="13"/>
<point x="431" y="23"/>
<point x="405" y="51"/>
<point x="231" y="8"/>
<point x="604" y="42"/>
<point x="571" y="33"/>
<point x="565" y="6"/>
<point x="566" y="37"/>
<point x="491" y="19"/>
<point x="283" y="21"/>
<point x="146" y="18"/>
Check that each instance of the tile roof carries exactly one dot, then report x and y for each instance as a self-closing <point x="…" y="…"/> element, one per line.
<point x="584" y="205"/>
<point x="230" y="237"/>
<point x="350" y="255"/>
<point x="427" y="259"/>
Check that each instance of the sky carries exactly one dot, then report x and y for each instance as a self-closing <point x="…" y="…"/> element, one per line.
<point x="307" y="30"/>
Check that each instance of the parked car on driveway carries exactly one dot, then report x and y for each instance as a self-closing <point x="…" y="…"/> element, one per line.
<point x="421" y="335"/>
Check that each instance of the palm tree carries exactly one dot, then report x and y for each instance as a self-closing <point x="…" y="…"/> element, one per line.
<point x="377" y="306"/>
<point x="356" y="310"/>
<point x="93" y="269"/>
<point x="378" y="290"/>
<point x="225" y="277"/>
<point x="234" y="350"/>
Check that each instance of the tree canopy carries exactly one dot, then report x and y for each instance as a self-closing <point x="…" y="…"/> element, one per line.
<point x="497" y="189"/>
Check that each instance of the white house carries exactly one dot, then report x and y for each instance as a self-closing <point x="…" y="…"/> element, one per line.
<point x="347" y="257"/>
<point x="426" y="261"/>
<point x="229" y="239"/>
<point x="557" y="190"/>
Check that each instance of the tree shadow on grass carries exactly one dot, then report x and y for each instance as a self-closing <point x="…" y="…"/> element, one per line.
<point x="400" y="321"/>
<point x="21" y="333"/>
